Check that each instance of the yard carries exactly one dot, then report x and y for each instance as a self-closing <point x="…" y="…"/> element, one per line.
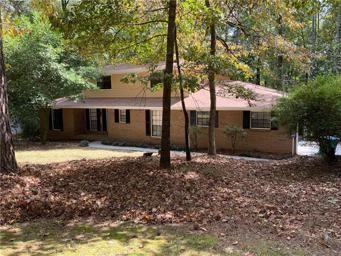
<point x="126" y="205"/>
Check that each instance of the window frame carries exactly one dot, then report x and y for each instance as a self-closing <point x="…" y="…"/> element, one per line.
<point x="201" y="125"/>
<point x="53" y="119"/>
<point x="121" y="121"/>
<point x="260" y="128"/>
<point x="151" y="123"/>
<point x="93" y="119"/>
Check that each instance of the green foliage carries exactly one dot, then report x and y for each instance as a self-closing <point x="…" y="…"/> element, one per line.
<point x="234" y="133"/>
<point x="317" y="108"/>
<point x="194" y="132"/>
<point x="84" y="143"/>
<point x="41" y="67"/>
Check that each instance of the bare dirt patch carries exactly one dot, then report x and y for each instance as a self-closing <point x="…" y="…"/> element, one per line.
<point x="297" y="200"/>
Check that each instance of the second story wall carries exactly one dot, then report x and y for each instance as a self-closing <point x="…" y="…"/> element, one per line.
<point x="121" y="89"/>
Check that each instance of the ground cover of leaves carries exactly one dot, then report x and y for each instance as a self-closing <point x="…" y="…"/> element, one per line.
<point x="297" y="199"/>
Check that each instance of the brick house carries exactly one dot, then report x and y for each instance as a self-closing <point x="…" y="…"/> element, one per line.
<point x="133" y="113"/>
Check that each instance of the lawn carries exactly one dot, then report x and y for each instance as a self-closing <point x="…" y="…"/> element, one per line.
<point x="129" y="206"/>
<point x="61" y="152"/>
<point x="106" y="238"/>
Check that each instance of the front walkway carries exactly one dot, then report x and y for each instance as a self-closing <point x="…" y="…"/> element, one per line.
<point x="99" y="145"/>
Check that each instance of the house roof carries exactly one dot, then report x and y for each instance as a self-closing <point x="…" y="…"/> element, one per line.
<point x="264" y="99"/>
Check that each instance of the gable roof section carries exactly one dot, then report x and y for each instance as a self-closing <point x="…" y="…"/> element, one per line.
<point x="266" y="98"/>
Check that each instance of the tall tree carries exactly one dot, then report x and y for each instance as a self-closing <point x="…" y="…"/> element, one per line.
<point x="211" y="82"/>
<point x="167" y="87"/>
<point x="7" y="156"/>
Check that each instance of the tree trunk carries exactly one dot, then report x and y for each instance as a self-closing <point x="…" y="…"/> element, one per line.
<point x="211" y="82"/>
<point x="8" y="162"/>
<point x="167" y="87"/>
<point x="188" y="150"/>
<point x="45" y="125"/>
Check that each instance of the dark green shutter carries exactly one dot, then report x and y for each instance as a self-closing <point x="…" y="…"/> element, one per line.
<point x="147" y="117"/>
<point x="87" y="119"/>
<point x="193" y="117"/>
<point x="104" y="119"/>
<point x="50" y="119"/>
<point x="274" y="123"/>
<point x="99" y="128"/>
<point x="117" y="116"/>
<point x="246" y="119"/>
<point x="61" y="120"/>
<point x="127" y="116"/>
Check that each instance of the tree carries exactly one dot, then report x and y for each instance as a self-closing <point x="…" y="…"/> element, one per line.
<point x="41" y="69"/>
<point x="211" y="82"/>
<point x="167" y="87"/>
<point x="315" y="107"/>
<point x="7" y="156"/>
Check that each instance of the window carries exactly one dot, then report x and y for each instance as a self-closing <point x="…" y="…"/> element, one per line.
<point x="203" y="118"/>
<point x="93" y="119"/>
<point x="123" y="116"/>
<point x="57" y="119"/>
<point x="104" y="82"/>
<point x="156" y="123"/>
<point x="261" y="120"/>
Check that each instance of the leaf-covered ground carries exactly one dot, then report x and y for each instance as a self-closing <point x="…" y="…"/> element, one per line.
<point x="297" y="201"/>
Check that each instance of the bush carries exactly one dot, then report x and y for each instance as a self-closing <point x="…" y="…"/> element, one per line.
<point x="234" y="132"/>
<point x="315" y="108"/>
<point x="106" y="142"/>
<point x="84" y="143"/>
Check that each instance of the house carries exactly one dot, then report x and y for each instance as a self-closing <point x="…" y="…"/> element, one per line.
<point x="132" y="112"/>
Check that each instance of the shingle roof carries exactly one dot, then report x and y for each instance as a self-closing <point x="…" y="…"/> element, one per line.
<point x="265" y="98"/>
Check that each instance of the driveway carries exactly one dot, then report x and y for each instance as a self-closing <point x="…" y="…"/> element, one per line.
<point x="306" y="148"/>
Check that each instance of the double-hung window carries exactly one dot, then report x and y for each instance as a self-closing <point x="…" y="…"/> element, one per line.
<point x="93" y="125"/>
<point x="260" y="120"/>
<point x="123" y="116"/>
<point x="203" y="118"/>
<point x="156" y="123"/>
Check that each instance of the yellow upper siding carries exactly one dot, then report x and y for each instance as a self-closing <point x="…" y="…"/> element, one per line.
<point x="120" y="89"/>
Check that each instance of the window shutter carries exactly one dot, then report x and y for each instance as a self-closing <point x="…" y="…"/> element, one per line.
<point x="61" y="120"/>
<point x="104" y="119"/>
<point x="274" y="123"/>
<point x="128" y="116"/>
<point x="147" y="116"/>
<point x="98" y="119"/>
<point x="193" y="117"/>
<point x="117" y="116"/>
<point x="87" y="119"/>
<point x="216" y="119"/>
<point x="50" y="119"/>
<point x="246" y="119"/>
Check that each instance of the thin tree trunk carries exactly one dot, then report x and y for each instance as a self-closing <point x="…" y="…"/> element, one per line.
<point x="187" y="146"/>
<point x="45" y="125"/>
<point x="167" y="87"/>
<point x="211" y="82"/>
<point x="8" y="162"/>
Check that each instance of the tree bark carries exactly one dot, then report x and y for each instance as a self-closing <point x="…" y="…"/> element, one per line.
<point x="184" y="110"/>
<point x="167" y="87"/>
<point x="211" y="82"/>
<point x="8" y="162"/>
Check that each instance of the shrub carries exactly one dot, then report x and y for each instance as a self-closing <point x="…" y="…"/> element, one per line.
<point x="194" y="131"/>
<point x="234" y="132"/>
<point x="106" y="142"/>
<point x="316" y="109"/>
<point x="84" y="143"/>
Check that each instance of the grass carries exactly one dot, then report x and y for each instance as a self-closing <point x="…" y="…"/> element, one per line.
<point x="42" y="238"/>
<point x="57" y="153"/>
<point x="87" y="238"/>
